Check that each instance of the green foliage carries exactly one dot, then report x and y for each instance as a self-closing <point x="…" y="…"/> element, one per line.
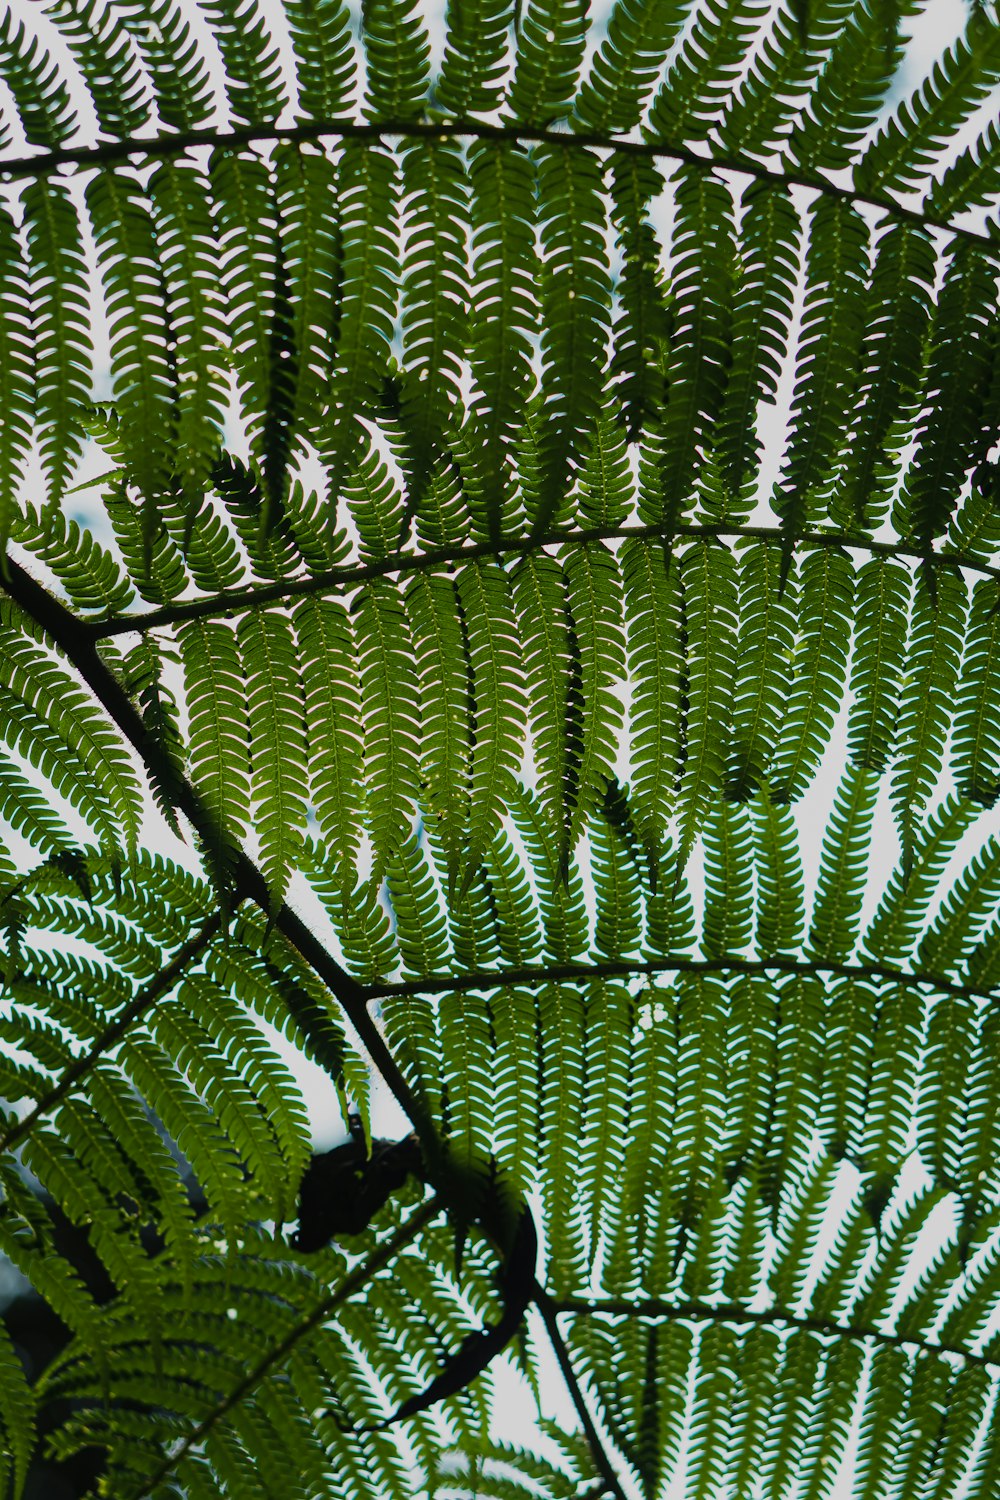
<point x="541" y="451"/>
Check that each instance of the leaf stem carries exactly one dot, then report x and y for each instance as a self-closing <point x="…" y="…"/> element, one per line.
<point x="79" y="158"/>
<point x="773" y="1317"/>
<point x="228" y="602"/>
<point x="680" y="963"/>
<point x="549" y="1311"/>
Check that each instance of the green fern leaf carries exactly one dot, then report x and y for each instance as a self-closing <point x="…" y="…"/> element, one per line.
<point x="626" y="65"/>
<point x="435" y="285"/>
<point x="17" y="1415"/>
<point x="883" y="589"/>
<point x="475" y="55"/>
<point x="891" y="361"/>
<point x="60" y="295"/>
<point x="849" y="93"/>
<point x="217" y="734"/>
<point x="390" y="714"/>
<point x="780" y="906"/>
<point x="145" y="384"/>
<point x="763" y="665"/>
<point x="254" y="84"/>
<point x="329" y="686"/>
<point x="963" y="913"/>
<point x="551" y="42"/>
<point x="769" y="233"/>
<point x="728" y="845"/>
<point x="703" y="70"/>
<point x="398" y="53"/>
<point x="278" y="781"/>
<point x="827" y="366"/>
<point x="701" y="327"/>
<point x="593" y="592"/>
<point x="181" y="85"/>
<point x="108" y="65"/>
<point x="766" y="103"/>
<point x="904" y="906"/>
<point x="950" y="435"/>
<point x="933" y="651"/>
<point x="641" y="324"/>
<point x="491" y="650"/>
<point x="902" y="153"/>
<point x="41" y="97"/>
<point x="186" y="244"/>
<point x="367" y="192"/>
<point x="708" y="581"/>
<point x="819" y="669"/>
<point x="974" y="758"/>
<point x="575" y="296"/>
<point x="504" y="271"/>
<point x="16" y="371"/>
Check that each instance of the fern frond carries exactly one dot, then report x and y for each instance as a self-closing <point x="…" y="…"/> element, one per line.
<point x="891" y="363"/>
<point x="390" y="714"/>
<point x="625" y="67"/>
<point x="551" y="41"/>
<point x="977" y="727"/>
<point x="277" y="746"/>
<point x="575" y="296"/>
<point x="902" y="153"/>
<point x="709" y="586"/>
<point x="703" y="70"/>
<point x="764" y="656"/>
<point x="949" y="435"/>
<point x="883" y="590"/>
<point x="255" y="87"/>
<point x="933" y="652"/>
<point x="836" y="263"/>
<point x="701" y="331"/>
<point x="145" y="380"/>
<point x="819" y="669"/>
<point x="217" y="732"/>
<point x="769" y="233"/>
<point x="60" y="295"/>
<point x="728" y="845"/>
<point x="504" y="271"/>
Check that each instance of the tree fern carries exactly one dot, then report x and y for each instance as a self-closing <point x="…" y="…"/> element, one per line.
<point x="476" y="481"/>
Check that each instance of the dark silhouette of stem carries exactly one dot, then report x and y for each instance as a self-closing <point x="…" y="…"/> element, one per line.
<point x="237" y="601"/>
<point x="549" y="1311"/>
<point x="108" y="153"/>
<point x="773" y="1318"/>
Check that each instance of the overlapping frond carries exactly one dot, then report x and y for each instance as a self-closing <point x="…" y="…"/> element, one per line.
<point x="472" y="476"/>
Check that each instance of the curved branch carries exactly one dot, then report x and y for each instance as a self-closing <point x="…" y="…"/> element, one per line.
<point x="113" y="1033"/>
<point x="773" y="1318"/>
<point x="549" y="1311"/>
<point x="528" y="974"/>
<point x="156" y="147"/>
<point x="274" y="1357"/>
<point x="229" y="602"/>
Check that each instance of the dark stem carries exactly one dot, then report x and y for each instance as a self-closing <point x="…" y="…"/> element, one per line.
<point x="274" y="1357"/>
<point x="158" y="146"/>
<point x="112" y="1034"/>
<point x="486" y="979"/>
<point x="237" y="601"/>
<point x="732" y="1313"/>
<point x="549" y="1311"/>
